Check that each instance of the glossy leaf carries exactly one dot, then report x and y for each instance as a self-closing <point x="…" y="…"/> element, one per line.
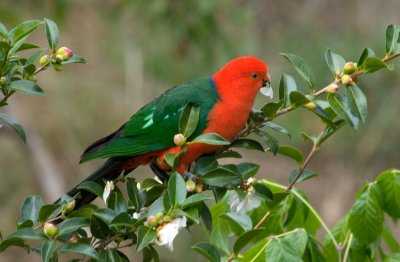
<point x="392" y="39"/>
<point x="23" y="29"/>
<point x="372" y="64"/>
<point x="335" y="62"/>
<point x="92" y="187"/>
<point x="72" y="224"/>
<point x="366" y="216"/>
<point x="47" y="210"/>
<point x="247" y="170"/>
<point x="51" y="33"/>
<point x="26" y="87"/>
<point x="3" y="31"/>
<point x="287" y="85"/>
<point x="332" y="129"/>
<point x="188" y="120"/>
<point x="14" y="124"/>
<point x="99" y="228"/>
<point x="292" y="153"/>
<point x="367" y="52"/>
<point x="204" y="165"/>
<point x="263" y="191"/>
<point x="269" y="140"/>
<point x="277" y="128"/>
<point x="307" y="174"/>
<point x="302" y="67"/>
<point x="220" y="228"/>
<point x="208" y="251"/>
<point x="30" y="208"/>
<point x="146" y="235"/>
<point x="221" y="177"/>
<point x="117" y="202"/>
<point x="74" y="59"/>
<point x="27" y="234"/>
<point x="122" y="219"/>
<point x="340" y="105"/>
<point x="194" y="199"/>
<point x="211" y="139"/>
<point x="247" y="238"/>
<point x="78" y="248"/>
<point x="358" y="102"/>
<point x="133" y="193"/>
<point x="270" y="109"/>
<point x="238" y="223"/>
<point x="112" y="255"/>
<point x="48" y="250"/>
<point x="248" y="144"/>
<point x="176" y="189"/>
<point x="388" y="185"/>
<point x="298" y="99"/>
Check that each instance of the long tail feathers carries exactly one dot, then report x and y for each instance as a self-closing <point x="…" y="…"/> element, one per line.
<point x="110" y="170"/>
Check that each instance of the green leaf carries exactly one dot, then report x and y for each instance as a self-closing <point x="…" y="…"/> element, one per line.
<point x="47" y="210"/>
<point x="14" y="124"/>
<point x="171" y="159"/>
<point x="220" y="229"/>
<point x="372" y="64"/>
<point x="91" y="187"/>
<point x="392" y="258"/>
<point x="176" y="189"/>
<point x="367" y="52"/>
<point x="291" y="247"/>
<point x="23" y="29"/>
<point x="335" y="62"/>
<point x="358" y="102"/>
<point x="211" y="139"/>
<point x="388" y="186"/>
<point x="106" y="214"/>
<point x="287" y="85"/>
<point x="292" y="153"/>
<point x="48" y="250"/>
<point x="194" y="199"/>
<point x="204" y="165"/>
<point x="99" y="228"/>
<point x="307" y="174"/>
<point x="263" y="191"/>
<point x="256" y="253"/>
<point x="122" y="219"/>
<point x="366" y="216"/>
<point x="82" y="212"/>
<point x="302" y="67"/>
<point x="298" y="99"/>
<point x="270" y="109"/>
<point x="133" y="193"/>
<point x="117" y="202"/>
<point x="27" y="234"/>
<point x="26" y="46"/>
<point x="3" y="31"/>
<point x="79" y="248"/>
<point x="189" y="120"/>
<point x="74" y="59"/>
<point x="248" y="237"/>
<point x="390" y="239"/>
<point x="18" y="242"/>
<point x="238" y="223"/>
<point x="146" y="235"/>
<point x="247" y="143"/>
<point x="247" y="170"/>
<point x="26" y="86"/>
<point x="30" y="208"/>
<point x="332" y="129"/>
<point x="269" y="140"/>
<point x="313" y="252"/>
<point x="208" y="251"/>
<point x="392" y="39"/>
<point x="221" y="177"/>
<point x="325" y="118"/>
<point x="112" y="256"/>
<point x="156" y="207"/>
<point x="72" y="224"/>
<point x="340" y="105"/>
<point x="35" y="56"/>
<point x="51" y="33"/>
<point x="277" y="128"/>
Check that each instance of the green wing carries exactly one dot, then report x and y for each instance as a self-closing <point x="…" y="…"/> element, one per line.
<point x="154" y="125"/>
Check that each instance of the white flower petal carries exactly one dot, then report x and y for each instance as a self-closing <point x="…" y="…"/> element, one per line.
<point x="107" y="190"/>
<point x="267" y="91"/>
<point x="168" y="232"/>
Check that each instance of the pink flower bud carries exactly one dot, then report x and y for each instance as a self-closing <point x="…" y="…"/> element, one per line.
<point x="50" y="230"/>
<point x="190" y="186"/>
<point x="65" y="52"/>
<point x="346" y="80"/>
<point x="151" y="221"/>
<point x="332" y="88"/>
<point x="179" y="139"/>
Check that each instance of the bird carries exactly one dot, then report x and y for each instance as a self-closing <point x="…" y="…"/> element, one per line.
<point x="224" y="100"/>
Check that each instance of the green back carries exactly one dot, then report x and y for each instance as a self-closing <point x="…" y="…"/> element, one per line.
<point x="154" y="125"/>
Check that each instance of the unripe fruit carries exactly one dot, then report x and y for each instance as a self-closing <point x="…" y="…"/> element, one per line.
<point x="310" y="105"/>
<point x="349" y="68"/>
<point x="190" y="186"/>
<point x="179" y="139"/>
<point x="65" y="52"/>
<point x="332" y="88"/>
<point x="3" y="81"/>
<point x="59" y="58"/>
<point x="58" y="67"/>
<point x="68" y="208"/>
<point x="50" y="230"/>
<point x="346" y="80"/>
<point x="151" y="221"/>
<point x="44" y="60"/>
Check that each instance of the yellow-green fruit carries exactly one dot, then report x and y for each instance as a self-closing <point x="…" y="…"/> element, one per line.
<point x="179" y="139"/>
<point x="44" y="60"/>
<point x="346" y="80"/>
<point x="50" y="230"/>
<point x="65" y="52"/>
<point x="190" y="186"/>
<point x="310" y="105"/>
<point x="3" y="81"/>
<point x="332" y="88"/>
<point x="68" y="208"/>
<point x="167" y="219"/>
<point x="152" y="221"/>
<point x="59" y="58"/>
<point x="349" y="68"/>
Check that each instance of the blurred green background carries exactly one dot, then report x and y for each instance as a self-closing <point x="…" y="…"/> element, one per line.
<point x="138" y="49"/>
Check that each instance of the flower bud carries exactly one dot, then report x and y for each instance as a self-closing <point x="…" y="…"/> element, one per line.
<point x="32" y="78"/>
<point x="190" y="186"/>
<point x="310" y="105"/>
<point x="68" y="208"/>
<point x="199" y="188"/>
<point x="3" y="81"/>
<point x="58" y="67"/>
<point x="346" y="80"/>
<point x="349" y="68"/>
<point x="167" y="218"/>
<point x="158" y="216"/>
<point x="179" y="139"/>
<point x="332" y="88"/>
<point x="65" y="52"/>
<point x="59" y="58"/>
<point x="50" y="230"/>
<point x="44" y="60"/>
<point x="152" y="221"/>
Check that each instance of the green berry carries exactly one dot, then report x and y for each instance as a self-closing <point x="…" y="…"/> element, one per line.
<point x="346" y="80"/>
<point x="167" y="218"/>
<point x="332" y="88"/>
<point x="349" y="68"/>
<point x="179" y="139"/>
<point x="68" y="208"/>
<point x="50" y="230"/>
<point x="3" y="81"/>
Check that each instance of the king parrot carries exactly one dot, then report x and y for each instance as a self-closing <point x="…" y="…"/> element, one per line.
<point x="224" y="100"/>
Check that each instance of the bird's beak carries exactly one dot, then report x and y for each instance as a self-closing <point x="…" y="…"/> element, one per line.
<point x="266" y="88"/>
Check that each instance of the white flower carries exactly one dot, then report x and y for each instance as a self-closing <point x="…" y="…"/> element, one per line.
<point x="267" y="91"/>
<point x="107" y="190"/>
<point x="167" y="232"/>
<point x="240" y="207"/>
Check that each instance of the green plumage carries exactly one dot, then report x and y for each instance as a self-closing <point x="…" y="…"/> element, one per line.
<point x="154" y="125"/>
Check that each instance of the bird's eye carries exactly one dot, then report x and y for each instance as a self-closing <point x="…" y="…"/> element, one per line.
<point x="254" y="75"/>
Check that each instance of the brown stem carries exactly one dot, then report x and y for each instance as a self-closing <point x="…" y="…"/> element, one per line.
<point x="4" y="100"/>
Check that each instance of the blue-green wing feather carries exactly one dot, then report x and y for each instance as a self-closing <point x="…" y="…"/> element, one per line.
<point x="153" y="127"/>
